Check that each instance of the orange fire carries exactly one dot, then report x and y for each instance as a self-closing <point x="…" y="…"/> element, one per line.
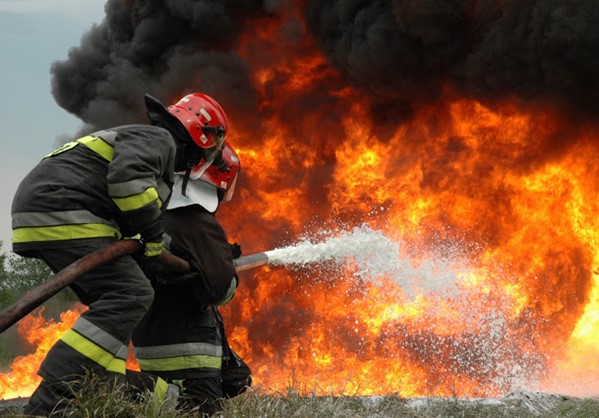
<point x="505" y="194"/>
<point x="525" y="310"/>
<point x="40" y="333"/>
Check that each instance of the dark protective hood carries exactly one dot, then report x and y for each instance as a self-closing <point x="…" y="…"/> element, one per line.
<point x="159" y="115"/>
<point x="187" y="154"/>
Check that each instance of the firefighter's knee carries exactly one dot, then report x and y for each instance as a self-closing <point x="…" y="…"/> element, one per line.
<point x="146" y="297"/>
<point x="138" y="297"/>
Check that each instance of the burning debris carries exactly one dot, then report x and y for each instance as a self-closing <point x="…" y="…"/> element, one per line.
<point x="464" y="130"/>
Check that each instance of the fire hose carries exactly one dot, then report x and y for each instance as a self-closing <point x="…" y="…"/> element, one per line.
<point x="55" y="283"/>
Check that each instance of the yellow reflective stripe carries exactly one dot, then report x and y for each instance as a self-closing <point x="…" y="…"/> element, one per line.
<point x="139" y="200"/>
<point x="230" y="293"/>
<point x="117" y="365"/>
<point x="226" y="300"/>
<point x="153" y="249"/>
<point x="62" y="149"/>
<point x="96" y="334"/>
<point x="179" y="363"/>
<point x="63" y="232"/>
<point x="93" y="352"/>
<point x="98" y="145"/>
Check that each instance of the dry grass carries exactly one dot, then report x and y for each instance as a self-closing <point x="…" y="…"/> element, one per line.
<point x="93" y="399"/>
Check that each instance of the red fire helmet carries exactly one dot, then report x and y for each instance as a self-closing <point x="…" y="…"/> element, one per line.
<point x="204" y="119"/>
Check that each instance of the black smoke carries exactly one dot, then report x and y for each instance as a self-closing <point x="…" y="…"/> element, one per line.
<point x="163" y="48"/>
<point x="400" y="52"/>
<point x="541" y="50"/>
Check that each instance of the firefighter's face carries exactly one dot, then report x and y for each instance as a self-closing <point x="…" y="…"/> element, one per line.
<point x="187" y="154"/>
<point x="217" y="136"/>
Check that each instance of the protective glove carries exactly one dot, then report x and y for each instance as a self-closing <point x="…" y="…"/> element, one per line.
<point x="235" y="250"/>
<point x="151" y="237"/>
<point x="161" y="273"/>
<point x="153" y="249"/>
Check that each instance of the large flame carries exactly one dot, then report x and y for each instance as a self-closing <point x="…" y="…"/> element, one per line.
<point x="521" y="240"/>
<point x="494" y="207"/>
<point x="40" y="333"/>
<point x="491" y="188"/>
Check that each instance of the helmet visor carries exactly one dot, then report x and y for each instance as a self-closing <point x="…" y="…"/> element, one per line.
<point x="229" y="193"/>
<point x="199" y="169"/>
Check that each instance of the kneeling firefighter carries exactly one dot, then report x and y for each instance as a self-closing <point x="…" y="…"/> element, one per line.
<point x="92" y="192"/>
<point x="182" y="337"/>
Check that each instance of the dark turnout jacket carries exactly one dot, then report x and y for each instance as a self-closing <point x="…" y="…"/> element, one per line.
<point x="195" y="235"/>
<point x="109" y="184"/>
<point x="180" y="337"/>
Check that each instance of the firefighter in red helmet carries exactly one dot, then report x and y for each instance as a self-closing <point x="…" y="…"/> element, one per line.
<point x="182" y="337"/>
<point x="96" y="190"/>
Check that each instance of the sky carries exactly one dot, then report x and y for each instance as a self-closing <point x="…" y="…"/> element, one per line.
<point x="34" y="34"/>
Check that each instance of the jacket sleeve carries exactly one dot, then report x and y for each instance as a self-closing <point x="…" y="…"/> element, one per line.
<point x="140" y="176"/>
<point x="197" y="237"/>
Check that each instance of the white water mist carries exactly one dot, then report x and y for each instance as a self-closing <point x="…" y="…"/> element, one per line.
<point x="374" y="255"/>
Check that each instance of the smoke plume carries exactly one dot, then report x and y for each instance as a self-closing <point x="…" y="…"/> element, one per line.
<point x="402" y="53"/>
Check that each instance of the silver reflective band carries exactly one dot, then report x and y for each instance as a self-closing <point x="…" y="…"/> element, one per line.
<point x="175" y="350"/>
<point x="68" y="217"/>
<point x="101" y="338"/>
<point x="130" y="187"/>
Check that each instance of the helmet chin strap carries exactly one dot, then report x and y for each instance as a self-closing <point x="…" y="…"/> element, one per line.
<point x="186" y="178"/>
<point x="196" y="175"/>
<point x="185" y="155"/>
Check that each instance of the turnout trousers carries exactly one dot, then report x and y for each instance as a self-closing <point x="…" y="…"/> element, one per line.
<point x="118" y="295"/>
<point x="185" y="343"/>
